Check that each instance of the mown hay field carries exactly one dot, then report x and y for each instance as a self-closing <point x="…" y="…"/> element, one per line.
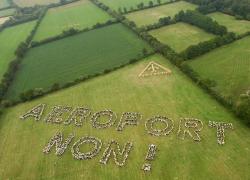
<point x="228" y="66"/>
<point x="29" y="3"/>
<point x="152" y="15"/>
<point x="232" y="24"/>
<point x="174" y="96"/>
<point x="79" y="15"/>
<point x="181" y="35"/>
<point x="8" y="45"/>
<point x="77" y="56"/>
<point x="128" y="4"/>
<point x="7" y="12"/>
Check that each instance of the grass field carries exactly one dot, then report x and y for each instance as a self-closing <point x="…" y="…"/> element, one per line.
<point x="173" y="96"/>
<point x="8" y="45"/>
<point x="83" y="54"/>
<point x="29" y="3"/>
<point x="229" y="66"/>
<point x="79" y="15"/>
<point x="7" y="12"/>
<point x="116" y="4"/>
<point x="152" y="15"/>
<point x="181" y="35"/>
<point x="233" y="25"/>
<point x="4" y="4"/>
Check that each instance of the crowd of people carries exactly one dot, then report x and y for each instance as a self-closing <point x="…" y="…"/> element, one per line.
<point x="77" y="154"/>
<point x="35" y="112"/>
<point x="190" y="123"/>
<point x="220" y="126"/>
<point x="96" y="124"/>
<point x="78" y="115"/>
<point x="122" y="153"/>
<point x="128" y="118"/>
<point x="149" y="125"/>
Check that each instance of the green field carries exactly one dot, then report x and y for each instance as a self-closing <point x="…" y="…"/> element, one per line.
<point x="173" y="96"/>
<point x="79" y="15"/>
<point x="181" y="35"/>
<point x="29" y="3"/>
<point x="229" y="66"/>
<point x="83" y="54"/>
<point x="128" y="4"/>
<point x="4" y="3"/>
<point x="7" y="12"/>
<point x="152" y="15"/>
<point x="8" y="45"/>
<point x="233" y="25"/>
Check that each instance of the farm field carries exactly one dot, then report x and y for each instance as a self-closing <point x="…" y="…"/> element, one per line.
<point x="8" y="45"/>
<point x="128" y="4"/>
<point x="29" y="3"/>
<point x="104" y="48"/>
<point x="4" y="4"/>
<point x="228" y="66"/>
<point x="79" y="15"/>
<point x="174" y="96"/>
<point x="179" y="36"/>
<point x="3" y="19"/>
<point x="233" y="25"/>
<point x="7" y="12"/>
<point x="152" y="15"/>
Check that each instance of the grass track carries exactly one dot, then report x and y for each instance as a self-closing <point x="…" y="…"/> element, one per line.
<point x="79" y="15"/>
<point x="229" y="66"/>
<point x="181" y="35"/>
<point x="116" y="4"/>
<point x="175" y="96"/>
<point x="233" y="25"/>
<point x="8" y="45"/>
<point x="152" y="15"/>
<point x="83" y="54"/>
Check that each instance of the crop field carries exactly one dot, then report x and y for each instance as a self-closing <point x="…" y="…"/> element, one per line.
<point x="4" y="4"/>
<point x="78" y="15"/>
<point x="104" y="48"/>
<point x="181" y="35"/>
<point x="233" y="25"/>
<point x="8" y="45"/>
<point x="128" y="4"/>
<point x="29" y="3"/>
<point x="174" y="96"/>
<point x="152" y="15"/>
<point x="228" y="66"/>
<point x="7" y="12"/>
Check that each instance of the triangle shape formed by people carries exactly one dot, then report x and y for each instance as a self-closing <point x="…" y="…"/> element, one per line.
<point x="153" y="69"/>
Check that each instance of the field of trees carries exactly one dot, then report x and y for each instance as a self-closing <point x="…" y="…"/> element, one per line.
<point x="228" y="66"/>
<point x="8" y="45"/>
<point x="152" y="15"/>
<point x="104" y="48"/>
<point x="233" y="25"/>
<point x="128" y="4"/>
<point x="77" y="15"/>
<point x="173" y="96"/>
<point x="7" y="12"/>
<point x="29" y="3"/>
<point x="181" y="35"/>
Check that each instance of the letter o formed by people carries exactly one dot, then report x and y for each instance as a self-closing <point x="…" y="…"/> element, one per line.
<point x="77" y="154"/>
<point x="149" y="125"/>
